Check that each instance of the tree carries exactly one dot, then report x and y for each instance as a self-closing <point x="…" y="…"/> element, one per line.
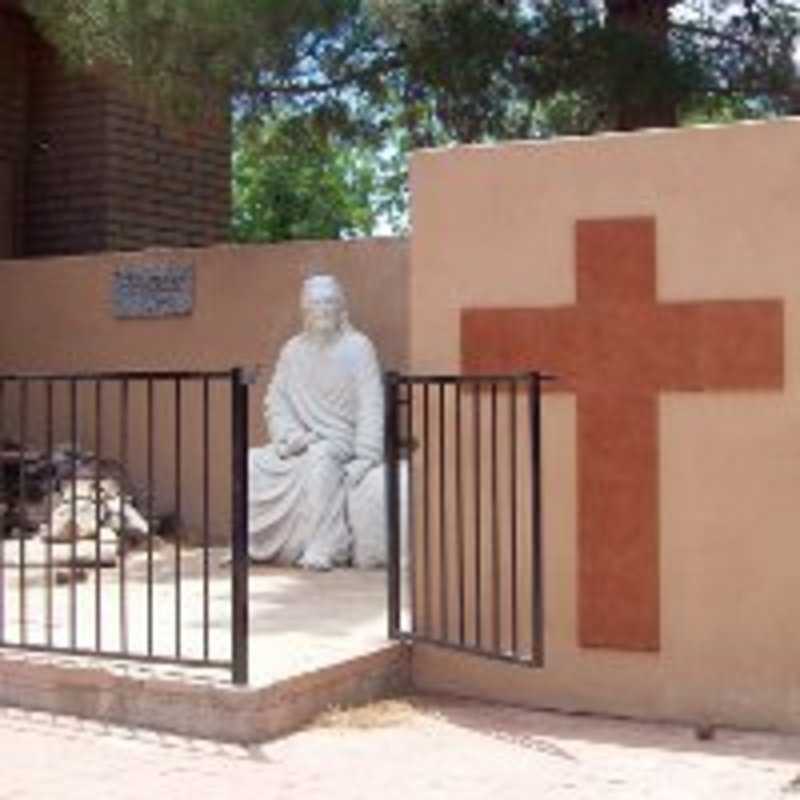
<point x="182" y="54"/>
<point x="637" y="63"/>
<point x="684" y="54"/>
<point x="462" y="70"/>
<point x="293" y="180"/>
<point x="431" y="72"/>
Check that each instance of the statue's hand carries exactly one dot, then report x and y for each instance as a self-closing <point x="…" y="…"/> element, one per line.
<point x="356" y="469"/>
<point x="294" y="443"/>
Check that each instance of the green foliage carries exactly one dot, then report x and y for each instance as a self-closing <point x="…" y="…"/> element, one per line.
<point x="463" y="70"/>
<point x="182" y="55"/>
<point x="490" y="69"/>
<point x="292" y="180"/>
<point x="460" y="76"/>
<point x="349" y="87"/>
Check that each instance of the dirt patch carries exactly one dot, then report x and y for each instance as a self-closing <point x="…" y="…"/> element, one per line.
<point x="383" y="714"/>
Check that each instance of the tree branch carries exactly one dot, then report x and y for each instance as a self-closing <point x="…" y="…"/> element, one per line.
<point x="714" y="33"/>
<point x="350" y="78"/>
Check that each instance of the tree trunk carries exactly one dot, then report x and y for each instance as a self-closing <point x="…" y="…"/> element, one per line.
<point x="649" y="20"/>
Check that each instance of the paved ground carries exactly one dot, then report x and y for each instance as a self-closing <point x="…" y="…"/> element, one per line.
<point x="431" y="748"/>
<point x="299" y="620"/>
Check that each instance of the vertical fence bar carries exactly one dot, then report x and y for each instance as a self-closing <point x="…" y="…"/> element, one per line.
<point x="426" y="498"/>
<point x="206" y="522"/>
<point x="98" y="451"/>
<point x="150" y="513"/>
<point x="49" y="506"/>
<point x="123" y="457"/>
<point x="496" y="625"/>
<point x="443" y="571"/>
<point x="477" y="544"/>
<point x="461" y="555"/>
<point x="73" y="589"/>
<point x="512" y="435"/>
<point x="391" y="398"/>
<point x="178" y="518"/>
<point x="411" y="544"/>
<point x="84" y="482"/>
<point x="239" y="628"/>
<point x="22" y="509"/>
<point x="535" y="395"/>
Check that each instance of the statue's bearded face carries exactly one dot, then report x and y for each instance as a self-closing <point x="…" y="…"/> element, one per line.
<point x="322" y="308"/>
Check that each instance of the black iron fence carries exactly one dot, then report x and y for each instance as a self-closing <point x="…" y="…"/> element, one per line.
<point x="464" y="510"/>
<point x="121" y="494"/>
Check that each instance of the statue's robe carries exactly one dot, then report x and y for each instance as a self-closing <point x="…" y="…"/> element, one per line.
<point x="297" y="505"/>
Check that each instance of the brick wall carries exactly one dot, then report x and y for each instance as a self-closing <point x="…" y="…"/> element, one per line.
<point x="7" y="206"/>
<point x="67" y="195"/>
<point x="166" y="186"/>
<point x="90" y="169"/>
<point x="14" y="32"/>
<point x="14" y="81"/>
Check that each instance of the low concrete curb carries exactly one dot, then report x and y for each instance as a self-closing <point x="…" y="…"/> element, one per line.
<point x="178" y="702"/>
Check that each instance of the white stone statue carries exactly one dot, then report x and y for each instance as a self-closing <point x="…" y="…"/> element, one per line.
<point x="324" y="414"/>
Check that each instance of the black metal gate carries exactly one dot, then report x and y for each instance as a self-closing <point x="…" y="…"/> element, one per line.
<point x="465" y="513"/>
<point x="149" y="430"/>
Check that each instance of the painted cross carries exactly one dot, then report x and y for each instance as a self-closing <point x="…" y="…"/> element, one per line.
<point x="617" y="348"/>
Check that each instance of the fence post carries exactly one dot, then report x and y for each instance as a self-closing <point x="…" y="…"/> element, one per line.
<point x="240" y="559"/>
<point x="537" y="574"/>
<point x="391" y="454"/>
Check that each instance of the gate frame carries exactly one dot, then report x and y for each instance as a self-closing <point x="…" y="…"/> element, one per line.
<point x="393" y="403"/>
<point x="239" y="380"/>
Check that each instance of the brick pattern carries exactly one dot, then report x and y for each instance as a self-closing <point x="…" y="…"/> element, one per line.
<point x="91" y="169"/>
<point x="166" y="186"/>
<point x="67" y="196"/>
<point x="7" y="207"/>
<point x="14" y="32"/>
<point x="13" y="84"/>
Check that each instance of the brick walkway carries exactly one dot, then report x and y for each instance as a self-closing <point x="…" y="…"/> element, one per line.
<point x="432" y="748"/>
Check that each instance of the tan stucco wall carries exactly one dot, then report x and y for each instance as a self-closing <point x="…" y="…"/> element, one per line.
<point x="56" y="316"/>
<point x="494" y="226"/>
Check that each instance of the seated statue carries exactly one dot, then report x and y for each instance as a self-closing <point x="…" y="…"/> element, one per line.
<point x="324" y="414"/>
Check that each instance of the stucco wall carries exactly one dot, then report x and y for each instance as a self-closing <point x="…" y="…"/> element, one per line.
<point x="56" y="316"/>
<point x="494" y="227"/>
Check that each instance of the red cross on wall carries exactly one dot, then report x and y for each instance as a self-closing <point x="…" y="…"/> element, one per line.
<point x="617" y="348"/>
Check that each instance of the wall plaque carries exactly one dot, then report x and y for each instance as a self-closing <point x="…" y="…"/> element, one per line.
<point x="153" y="291"/>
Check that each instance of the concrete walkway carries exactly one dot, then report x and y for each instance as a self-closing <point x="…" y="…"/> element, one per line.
<point x="423" y="749"/>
